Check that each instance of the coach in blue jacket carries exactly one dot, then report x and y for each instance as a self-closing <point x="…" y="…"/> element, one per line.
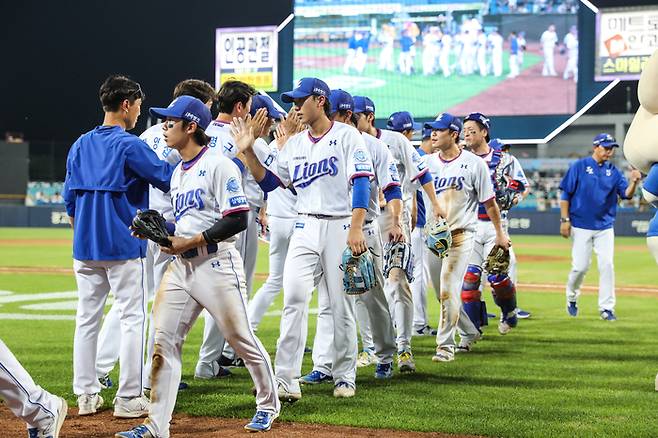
<point x="590" y="191"/>
<point x="107" y="175"/>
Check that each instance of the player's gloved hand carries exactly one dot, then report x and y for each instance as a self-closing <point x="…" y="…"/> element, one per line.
<point x="497" y="261"/>
<point x="356" y="241"/>
<point x="150" y="224"/>
<point x="439" y="238"/>
<point x="359" y="272"/>
<point x="398" y="255"/>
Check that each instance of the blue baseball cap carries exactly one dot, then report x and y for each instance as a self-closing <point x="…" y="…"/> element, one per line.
<point x="261" y="101"/>
<point x="306" y="87"/>
<point x="427" y="133"/>
<point x="363" y="104"/>
<point x="481" y="118"/>
<point x="402" y="121"/>
<point x="445" y="121"/>
<point x="186" y="108"/>
<point x="341" y="100"/>
<point x="605" y="140"/>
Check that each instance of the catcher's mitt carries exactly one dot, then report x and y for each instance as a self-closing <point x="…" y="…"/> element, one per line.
<point x="151" y="224"/>
<point x="497" y="261"/>
<point x="399" y="255"/>
<point x="438" y="238"/>
<point x="358" y="272"/>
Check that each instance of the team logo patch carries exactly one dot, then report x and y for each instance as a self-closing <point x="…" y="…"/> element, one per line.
<point x="360" y="156"/>
<point x="299" y="225"/>
<point x="232" y="185"/>
<point x="589" y="170"/>
<point x="608" y="172"/>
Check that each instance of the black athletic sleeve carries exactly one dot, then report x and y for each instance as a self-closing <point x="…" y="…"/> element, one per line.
<point x="227" y="226"/>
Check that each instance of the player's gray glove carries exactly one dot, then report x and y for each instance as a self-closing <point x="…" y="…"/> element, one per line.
<point x="399" y="255"/>
<point x="438" y="238"/>
<point x="358" y="272"/>
<point x="151" y="225"/>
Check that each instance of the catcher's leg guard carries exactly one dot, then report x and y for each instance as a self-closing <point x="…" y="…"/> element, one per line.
<point x="474" y="307"/>
<point x="504" y="292"/>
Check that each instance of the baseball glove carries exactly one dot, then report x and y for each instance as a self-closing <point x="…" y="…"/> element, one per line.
<point x="358" y="272"/>
<point x="497" y="261"/>
<point x="399" y="255"/>
<point x="438" y="238"/>
<point x="505" y="197"/>
<point x="151" y="225"/>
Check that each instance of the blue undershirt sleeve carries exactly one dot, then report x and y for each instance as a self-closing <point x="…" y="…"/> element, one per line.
<point x="360" y="192"/>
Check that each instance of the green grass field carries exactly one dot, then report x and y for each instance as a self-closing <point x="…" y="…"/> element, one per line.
<point x="427" y="95"/>
<point x="553" y="376"/>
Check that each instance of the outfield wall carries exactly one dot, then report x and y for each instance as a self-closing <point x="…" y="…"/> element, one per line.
<point x="629" y="223"/>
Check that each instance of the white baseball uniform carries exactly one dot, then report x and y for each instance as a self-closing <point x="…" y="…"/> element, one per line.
<point x="281" y="217"/>
<point x="411" y="166"/>
<point x="381" y="335"/>
<point x="496" y="42"/>
<point x="461" y="184"/>
<point x="571" y="43"/>
<point x="210" y="277"/>
<point x="27" y="400"/>
<point x="321" y="171"/>
<point x="155" y="265"/>
<point x="548" y="41"/>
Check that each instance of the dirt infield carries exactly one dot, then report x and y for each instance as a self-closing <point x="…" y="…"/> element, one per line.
<point x="105" y="425"/>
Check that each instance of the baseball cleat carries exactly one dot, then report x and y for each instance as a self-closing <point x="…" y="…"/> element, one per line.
<point x="572" y="308"/>
<point x="443" y="355"/>
<point x="140" y="431"/>
<point x="105" y="381"/>
<point x="366" y="358"/>
<point x="406" y="362"/>
<point x="262" y="422"/>
<point x="52" y="431"/>
<point x="134" y="407"/>
<point x="315" y="377"/>
<point x="466" y="343"/>
<point x="491" y="315"/>
<point x="344" y="390"/>
<point x="286" y="395"/>
<point x="228" y="362"/>
<point x="425" y="331"/>
<point x="507" y="323"/>
<point x="308" y="350"/>
<point x="384" y="371"/>
<point x="608" y="315"/>
<point x="213" y="370"/>
<point x="89" y="403"/>
<point x="522" y="314"/>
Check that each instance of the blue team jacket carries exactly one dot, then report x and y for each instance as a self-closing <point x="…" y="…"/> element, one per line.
<point x="107" y="175"/>
<point x="593" y="191"/>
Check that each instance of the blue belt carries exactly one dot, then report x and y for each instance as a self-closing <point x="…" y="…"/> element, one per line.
<point x="190" y="253"/>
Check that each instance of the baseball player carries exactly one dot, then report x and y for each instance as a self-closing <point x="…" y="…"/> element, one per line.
<point x="548" y="41"/>
<point x="156" y="262"/>
<point x="42" y="412"/>
<point x="420" y="282"/>
<point x="379" y="337"/>
<point x="413" y="172"/>
<point x="590" y="191"/>
<point x="513" y="56"/>
<point x="406" y="58"/>
<point x="571" y="44"/>
<point x="496" y="42"/>
<point x="352" y="46"/>
<point x="107" y="177"/>
<point x="235" y="99"/>
<point x="502" y="171"/>
<point x="462" y="182"/>
<point x="387" y="40"/>
<point x="444" y="56"/>
<point x="209" y="208"/>
<point x="330" y="168"/>
<point x="482" y="52"/>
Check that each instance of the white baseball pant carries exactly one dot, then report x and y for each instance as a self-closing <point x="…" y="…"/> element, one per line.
<point x="652" y="244"/>
<point x="377" y="311"/>
<point x="421" y="277"/>
<point x="603" y="243"/>
<point x="95" y="280"/>
<point x="397" y="289"/>
<point x="155" y="265"/>
<point x="280" y="232"/>
<point x="27" y="400"/>
<point x="315" y="241"/>
<point x="447" y="277"/>
<point x="214" y="282"/>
